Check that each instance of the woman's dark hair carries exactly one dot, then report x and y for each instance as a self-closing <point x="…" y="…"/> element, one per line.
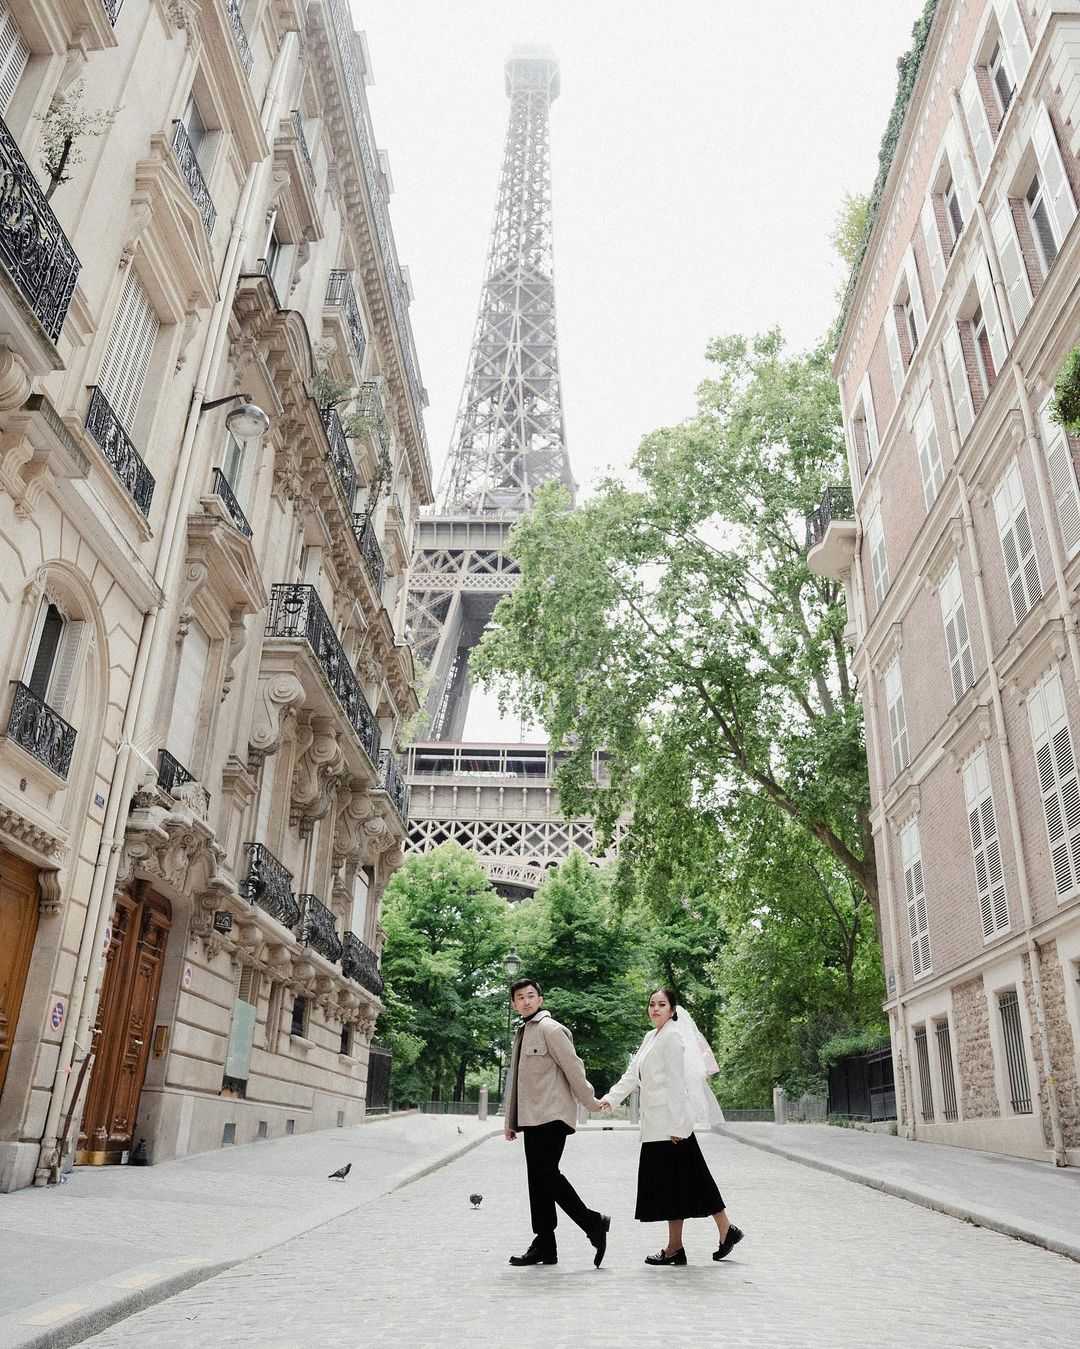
<point x="673" y="1000"/>
<point x="525" y="983"/>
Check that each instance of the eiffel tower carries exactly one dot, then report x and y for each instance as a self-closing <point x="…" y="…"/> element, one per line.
<point x="497" y="800"/>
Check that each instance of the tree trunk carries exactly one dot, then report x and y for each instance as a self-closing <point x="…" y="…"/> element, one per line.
<point x="459" y="1086"/>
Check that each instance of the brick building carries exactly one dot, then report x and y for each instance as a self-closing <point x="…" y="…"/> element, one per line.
<point x="960" y="551"/>
<point x="203" y="670"/>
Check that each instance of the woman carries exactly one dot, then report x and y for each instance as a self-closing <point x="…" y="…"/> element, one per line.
<point x="673" y="1179"/>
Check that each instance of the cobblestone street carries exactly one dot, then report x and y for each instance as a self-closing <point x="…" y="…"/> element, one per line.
<point x="825" y="1262"/>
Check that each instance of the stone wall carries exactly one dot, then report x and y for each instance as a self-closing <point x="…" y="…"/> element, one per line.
<point x="975" y="1058"/>
<point x="1062" y="1049"/>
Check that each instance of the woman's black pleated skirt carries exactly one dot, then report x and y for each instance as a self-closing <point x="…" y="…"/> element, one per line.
<point x="674" y="1182"/>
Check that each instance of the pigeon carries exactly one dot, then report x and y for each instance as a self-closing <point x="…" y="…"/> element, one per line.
<point x="474" y="1200"/>
<point x="460" y="1129"/>
<point x="341" y="1172"/>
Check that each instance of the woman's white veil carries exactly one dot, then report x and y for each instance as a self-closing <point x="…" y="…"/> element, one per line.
<point x="699" y="1064"/>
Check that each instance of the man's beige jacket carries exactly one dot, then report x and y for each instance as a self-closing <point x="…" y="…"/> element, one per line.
<point x="546" y="1076"/>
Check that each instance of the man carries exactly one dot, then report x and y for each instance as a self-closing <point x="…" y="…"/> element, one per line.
<point x="546" y="1079"/>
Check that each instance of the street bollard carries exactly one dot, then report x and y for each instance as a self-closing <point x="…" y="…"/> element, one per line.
<point x="482" y="1108"/>
<point x="779" y="1105"/>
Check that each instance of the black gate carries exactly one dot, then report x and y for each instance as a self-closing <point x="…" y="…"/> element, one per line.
<point x="863" y="1086"/>
<point x="378" y="1080"/>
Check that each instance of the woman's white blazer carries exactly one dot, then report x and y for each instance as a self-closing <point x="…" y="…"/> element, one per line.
<point x="657" y="1068"/>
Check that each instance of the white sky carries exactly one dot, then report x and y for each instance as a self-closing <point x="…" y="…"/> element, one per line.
<point x="700" y="152"/>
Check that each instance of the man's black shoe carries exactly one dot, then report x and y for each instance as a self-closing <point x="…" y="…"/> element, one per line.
<point x="598" y="1237"/>
<point x="536" y="1255"/>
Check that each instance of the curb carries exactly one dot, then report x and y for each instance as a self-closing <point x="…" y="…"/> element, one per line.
<point x="93" y="1320"/>
<point x="978" y="1217"/>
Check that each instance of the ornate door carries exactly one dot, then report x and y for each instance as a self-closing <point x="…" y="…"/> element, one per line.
<point x="18" y="927"/>
<point x="126" y="1011"/>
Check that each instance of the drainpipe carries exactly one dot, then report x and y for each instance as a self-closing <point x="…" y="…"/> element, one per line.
<point x="139" y="708"/>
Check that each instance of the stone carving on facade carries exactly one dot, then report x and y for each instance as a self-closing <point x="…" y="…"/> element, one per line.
<point x="22" y="830"/>
<point x="50" y="900"/>
<point x="278" y="696"/>
<point x="168" y="842"/>
<point x="237" y="634"/>
<point x="320" y="766"/>
<point x="354" y="807"/>
<point x="191" y="322"/>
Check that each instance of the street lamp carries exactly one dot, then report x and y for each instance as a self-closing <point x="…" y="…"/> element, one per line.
<point x="511" y="964"/>
<point x="245" y="420"/>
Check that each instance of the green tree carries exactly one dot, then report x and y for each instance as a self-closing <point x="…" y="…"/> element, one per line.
<point x="446" y="935"/>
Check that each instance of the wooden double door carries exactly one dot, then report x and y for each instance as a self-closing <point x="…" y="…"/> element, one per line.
<point x="18" y="928"/>
<point x="125" y="1023"/>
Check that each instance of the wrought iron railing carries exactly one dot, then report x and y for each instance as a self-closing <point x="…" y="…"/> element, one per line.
<point x="837" y="503"/>
<point x="33" y="247"/>
<point x="236" y="23"/>
<point x="368" y="543"/>
<point x="264" y="270"/>
<point x="392" y="782"/>
<point x="360" y="964"/>
<point x="297" y="611"/>
<point x="343" y="34"/>
<point x="193" y="176"/>
<point x="269" y="885"/>
<point x="112" y="9"/>
<point x="36" y="728"/>
<point x="305" y="152"/>
<point x="339" y="452"/>
<point x="172" y="776"/>
<point x="372" y="408"/>
<point x="341" y="291"/>
<point x="106" y="428"/>
<point x="317" y="928"/>
<point x="224" y="492"/>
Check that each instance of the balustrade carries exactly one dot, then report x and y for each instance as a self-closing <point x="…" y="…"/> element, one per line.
<point x="305" y="153"/>
<point x="837" y="503"/>
<point x="392" y="782"/>
<point x="172" y="776"/>
<point x="368" y="543"/>
<point x="269" y="885"/>
<point x="341" y="291"/>
<point x="107" y="429"/>
<point x="223" y="491"/>
<point x="193" y="176"/>
<point x="360" y="964"/>
<point x="317" y="928"/>
<point x="236" y="23"/>
<point x="36" y="728"/>
<point x="339" y="453"/>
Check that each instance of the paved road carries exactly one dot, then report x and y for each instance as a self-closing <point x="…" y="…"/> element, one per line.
<point x="825" y="1262"/>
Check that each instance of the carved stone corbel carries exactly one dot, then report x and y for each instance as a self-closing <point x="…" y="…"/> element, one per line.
<point x="279" y="694"/>
<point x="237" y="634"/>
<point x="320" y="764"/>
<point x="49" y="896"/>
<point x="354" y="807"/>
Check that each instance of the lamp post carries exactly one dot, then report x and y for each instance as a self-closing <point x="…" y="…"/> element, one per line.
<point x="511" y="964"/>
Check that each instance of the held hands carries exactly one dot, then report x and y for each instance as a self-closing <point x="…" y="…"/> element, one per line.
<point x="604" y="1105"/>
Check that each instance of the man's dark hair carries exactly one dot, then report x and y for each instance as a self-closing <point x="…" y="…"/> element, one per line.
<point x="525" y="983"/>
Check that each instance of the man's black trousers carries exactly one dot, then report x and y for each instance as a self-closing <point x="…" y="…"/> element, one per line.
<point x="548" y="1186"/>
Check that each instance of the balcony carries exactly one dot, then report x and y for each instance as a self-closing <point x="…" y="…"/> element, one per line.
<point x="33" y="247"/>
<point x="339" y="452"/>
<point x="392" y="782"/>
<point x="317" y="929"/>
<point x="364" y="532"/>
<point x="371" y="407"/>
<point x="296" y="612"/>
<point x="193" y="176"/>
<point x="305" y="154"/>
<point x="830" y="534"/>
<point x="106" y="428"/>
<point x="236" y="23"/>
<point x="269" y="885"/>
<point x="43" y="733"/>
<point x="360" y="964"/>
<point x="224" y="493"/>
<point x="112" y="9"/>
<point x="176" y="781"/>
<point x="340" y="291"/>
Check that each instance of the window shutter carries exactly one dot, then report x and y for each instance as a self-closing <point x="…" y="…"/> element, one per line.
<point x="915" y="893"/>
<point x="127" y="356"/>
<point x="988" y="300"/>
<point x="978" y="125"/>
<point x="985" y="844"/>
<point x="933" y="243"/>
<point x="879" y="564"/>
<point x="1058" y="781"/>
<point x="190" y="678"/>
<point x="1013" y="272"/>
<point x="892" y="341"/>
<point x="1014" y="38"/>
<point x="1059" y="195"/>
<point x="894" y="701"/>
<point x="958" y="380"/>
<point x="67" y="660"/>
<point x="915" y="290"/>
<point x="958" y="167"/>
<point x="1017" y="545"/>
<point x="871" y="416"/>
<point x="926" y="441"/>
<point x="13" y="57"/>
<point x="957" y="638"/>
<point x="1059" y="461"/>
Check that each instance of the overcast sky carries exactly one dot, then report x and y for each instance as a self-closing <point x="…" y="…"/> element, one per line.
<point x="700" y="152"/>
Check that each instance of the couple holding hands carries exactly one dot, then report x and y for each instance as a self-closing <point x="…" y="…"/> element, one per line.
<point x="547" y="1080"/>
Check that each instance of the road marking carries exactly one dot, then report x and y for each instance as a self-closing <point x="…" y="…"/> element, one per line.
<point x="55" y="1314"/>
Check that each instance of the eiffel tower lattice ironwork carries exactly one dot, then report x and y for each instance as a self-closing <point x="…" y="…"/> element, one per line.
<point x="509" y="440"/>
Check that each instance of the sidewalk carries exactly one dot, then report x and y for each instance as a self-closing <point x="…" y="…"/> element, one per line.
<point x="79" y="1256"/>
<point x="1033" y="1201"/>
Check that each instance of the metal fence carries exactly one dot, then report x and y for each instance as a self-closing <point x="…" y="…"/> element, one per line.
<point x="378" y="1080"/>
<point x="809" y="1109"/>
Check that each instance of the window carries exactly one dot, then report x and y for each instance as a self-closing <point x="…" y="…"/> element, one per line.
<point x="948" y="1080"/>
<point x="1015" y="1059"/>
<point x="985" y="846"/>
<point x="957" y="641"/>
<point x="926" y="1093"/>
<point x="907" y="310"/>
<point x="53" y="657"/>
<point x="299" y="1017"/>
<point x="952" y="211"/>
<point x="864" y="433"/>
<point x="198" y="134"/>
<point x="1010" y="255"/>
<point x="187" y="698"/>
<point x="1001" y="80"/>
<point x="1017" y="544"/>
<point x="956" y="367"/>
<point x="879" y="563"/>
<point x="14" y="55"/>
<point x="278" y="257"/>
<point x="128" y="352"/>
<point x="894" y="701"/>
<point x="1041" y="228"/>
<point x="1062" y="473"/>
<point x="918" y="927"/>
<point x="984" y="361"/>
<point x="907" y="323"/>
<point x="929" y="450"/>
<point x="1058" y="782"/>
<point x="346" y="1039"/>
<point x="1048" y="198"/>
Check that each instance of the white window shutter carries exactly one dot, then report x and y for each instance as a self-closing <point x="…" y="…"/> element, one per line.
<point x="894" y="701"/>
<point x="985" y="844"/>
<point x="915" y="893"/>
<point x="958" y="380"/>
<point x="988" y="300"/>
<point x="929" y="450"/>
<point x="1017" y="544"/>
<point x="1013" y="272"/>
<point x="958" y="167"/>
<point x="194" y="656"/>
<point x="978" y="126"/>
<point x="957" y="638"/>
<point x="67" y="661"/>
<point x="1052" y="173"/>
<point x="13" y="57"/>
<point x="915" y="291"/>
<point x="1014" y="38"/>
<point x="933" y="243"/>
<point x="892" y="341"/>
<point x="1059" y="462"/>
<point x="127" y="355"/>
<point x="875" y="538"/>
<point x="871" y="416"/>
<point x="1058" y="782"/>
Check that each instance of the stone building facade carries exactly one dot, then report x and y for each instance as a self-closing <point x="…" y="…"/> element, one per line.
<point x="212" y="455"/>
<point x="960" y="549"/>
